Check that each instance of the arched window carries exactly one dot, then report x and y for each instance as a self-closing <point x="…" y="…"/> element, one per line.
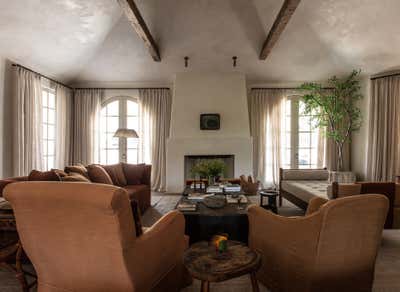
<point x="118" y="112"/>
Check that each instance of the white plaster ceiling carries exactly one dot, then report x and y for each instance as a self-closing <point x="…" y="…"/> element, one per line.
<point x="90" y="40"/>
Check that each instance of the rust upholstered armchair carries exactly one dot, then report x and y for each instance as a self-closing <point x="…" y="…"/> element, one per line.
<point x="332" y="248"/>
<point x="81" y="237"/>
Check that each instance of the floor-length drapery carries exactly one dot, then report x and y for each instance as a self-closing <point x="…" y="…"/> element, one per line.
<point x="63" y="125"/>
<point x="383" y="162"/>
<point x="27" y="112"/>
<point x="87" y="106"/>
<point x="265" y="123"/>
<point x="155" y="116"/>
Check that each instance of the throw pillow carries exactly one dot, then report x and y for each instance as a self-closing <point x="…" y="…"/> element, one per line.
<point x="97" y="174"/>
<point x="78" y="168"/>
<point x="133" y="173"/>
<point x="61" y="173"/>
<point x="37" y="175"/>
<point x="75" y="177"/>
<point x="137" y="217"/>
<point x="116" y="173"/>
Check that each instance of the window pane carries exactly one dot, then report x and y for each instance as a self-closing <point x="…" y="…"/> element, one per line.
<point x="50" y="162"/>
<point x="44" y="117"/>
<point x="103" y="156"/>
<point x="304" y="156"/>
<point x="112" y="142"/>
<point x="314" y="156"/>
<point x="314" y="139"/>
<point x="133" y="123"/>
<point x="112" y="124"/>
<point x="302" y="107"/>
<point x="304" y="123"/>
<point x="44" y="129"/>
<point x="286" y="156"/>
<point x="113" y="156"/>
<point x="52" y="100"/>
<point x="304" y="140"/>
<point x="133" y="143"/>
<point x="132" y="108"/>
<point x="50" y="147"/>
<point x="44" y="148"/>
<point x="132" y="156"/>
<point x="51" y="132"/>
<point x="113" y="108"/>
<point x="51" y="116"/>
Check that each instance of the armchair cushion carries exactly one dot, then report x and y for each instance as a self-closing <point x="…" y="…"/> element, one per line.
<point x="116" y="173"/>
<point x="97" y="174"/>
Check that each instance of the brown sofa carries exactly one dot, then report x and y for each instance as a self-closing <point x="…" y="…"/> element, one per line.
<point x="88" y="242"/>
<point x="333" y="248"/>
<point x="134" y="178"/>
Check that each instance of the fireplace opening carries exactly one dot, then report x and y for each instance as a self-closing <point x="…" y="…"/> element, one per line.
<point x="192" y="160"/>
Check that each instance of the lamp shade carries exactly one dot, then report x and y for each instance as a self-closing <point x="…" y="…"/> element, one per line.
<point x="126" y="133"/>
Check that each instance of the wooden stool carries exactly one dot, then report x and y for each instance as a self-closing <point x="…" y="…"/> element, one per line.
<point x="271" y="195"/>
<point x="207" y="265"/>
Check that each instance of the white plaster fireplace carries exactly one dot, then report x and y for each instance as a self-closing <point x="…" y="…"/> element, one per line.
<point x="197" y="93"/>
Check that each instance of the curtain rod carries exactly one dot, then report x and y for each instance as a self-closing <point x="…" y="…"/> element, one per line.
<point x="121" y="88"/>
<point x="288" y="88"/>
<point x="51" y="79"/>
<point x="384" y="76"/>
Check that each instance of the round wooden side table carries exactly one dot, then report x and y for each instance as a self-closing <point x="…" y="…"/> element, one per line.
<point x="271" y="196"/>
<point x="207" y="265"/>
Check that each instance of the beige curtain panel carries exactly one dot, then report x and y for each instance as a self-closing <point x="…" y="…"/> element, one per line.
<point x="64" y="126"/>
<point x="27" y="113"/>
<point x="87" y="107"/>
<point x="155" y="117"/>
<point x="265" y="124"/>
<point x="383" y="162"/>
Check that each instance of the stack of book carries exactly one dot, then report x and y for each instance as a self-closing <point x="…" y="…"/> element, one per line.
<point x="187" y="206"/>
<point x="197" y="196"/>
<point x="198" y="185"/>
<point x="214" y="189"/>
<point x="232" y="188"/>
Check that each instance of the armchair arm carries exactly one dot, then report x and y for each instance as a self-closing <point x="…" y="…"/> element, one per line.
<point x="315" y="204"/>
<point x="288" y="247"/>
<point x="158" y="250"/>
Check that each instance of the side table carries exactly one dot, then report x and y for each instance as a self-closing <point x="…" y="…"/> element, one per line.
<point x="271" y="196"/>
<point x="206" y="264"/>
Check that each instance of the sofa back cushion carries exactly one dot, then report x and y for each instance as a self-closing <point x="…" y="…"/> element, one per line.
<point x="77" y="168"/>
<point x="135" y="173"/>
<point x="75" y="177"/>
<point x="116" y="173"/>
<point x="97" y="174"/>
<point x="37" y="175"/>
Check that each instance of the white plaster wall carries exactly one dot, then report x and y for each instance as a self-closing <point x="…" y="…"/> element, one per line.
<point x="196" y="93"/>
<point x="360" y="139"/>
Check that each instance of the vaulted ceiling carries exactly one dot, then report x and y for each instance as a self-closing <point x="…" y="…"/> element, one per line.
<point x="91" y="40"/>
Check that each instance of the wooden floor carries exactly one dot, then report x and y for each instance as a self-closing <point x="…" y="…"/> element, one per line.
<point x="387" y="271"/>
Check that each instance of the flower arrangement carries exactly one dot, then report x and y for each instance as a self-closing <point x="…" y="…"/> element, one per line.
<point x="211" y="168"/>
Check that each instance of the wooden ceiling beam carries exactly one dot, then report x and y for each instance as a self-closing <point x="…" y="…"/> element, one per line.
<point x="135" y="18"/>
<point x="284" y="15"/>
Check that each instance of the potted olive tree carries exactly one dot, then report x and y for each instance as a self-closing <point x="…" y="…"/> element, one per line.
<point x="335" y="110"/>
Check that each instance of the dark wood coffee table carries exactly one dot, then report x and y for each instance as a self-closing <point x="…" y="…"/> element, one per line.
<point x="207" y="265"/>
<point x="205" y="222"/>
